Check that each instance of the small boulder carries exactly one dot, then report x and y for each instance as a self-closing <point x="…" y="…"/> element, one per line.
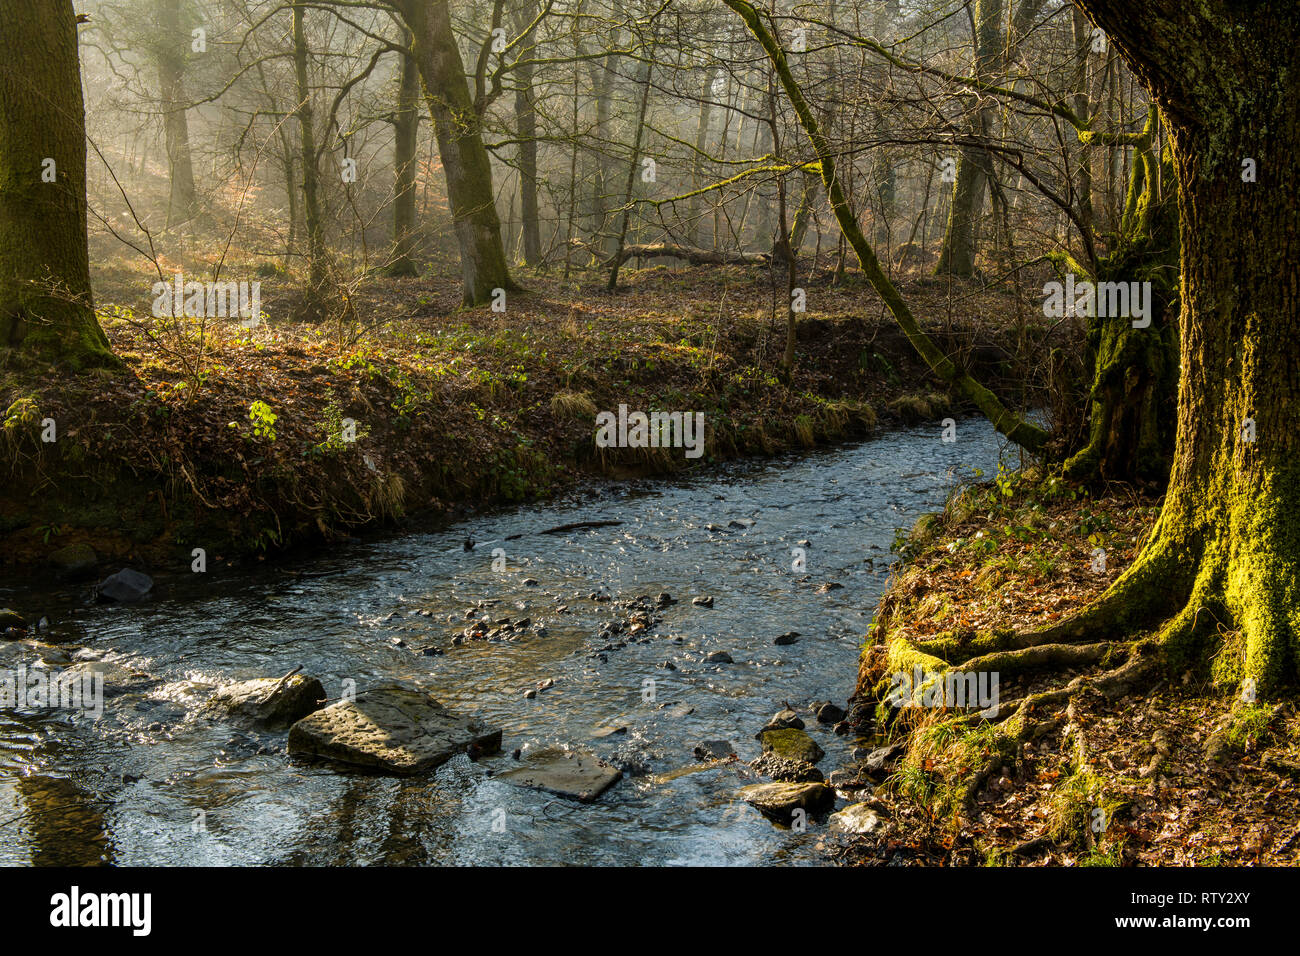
<point x="704" y="600"/>
<point x="75" y="561"/>
<point x="791" y="744"/>
<point x="877" y="762"/>
<point x="124" y="587"/>
<point x="781" y="720"/>
<point x="857" y="818"/>
<point x="786" y="639"/>
<point x="829" y="713"/>
<point x="715" y="750"/>
<point x="778" y="801"/>
<point x="718" y="657"/>
<point x="268" y="702"/>
<point x="10" y="618"/>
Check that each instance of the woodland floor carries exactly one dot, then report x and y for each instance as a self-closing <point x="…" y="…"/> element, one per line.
<point x="453" y="407"/>
<point x="1017" y="554"/>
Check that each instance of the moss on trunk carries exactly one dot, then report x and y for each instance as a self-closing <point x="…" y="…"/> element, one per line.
<point x="45" y="301"/>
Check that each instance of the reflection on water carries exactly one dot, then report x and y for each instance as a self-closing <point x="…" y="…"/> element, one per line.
<point x="153" y="782"/>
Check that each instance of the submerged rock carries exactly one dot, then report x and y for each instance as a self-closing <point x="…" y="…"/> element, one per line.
<point x="267" y="701"/>
<point x="792" y="744"/>
<point x="118" y="678"/>
<point x="703" y="600"/>
<point x="786" y="639"/>
<point x="718" y="657"/>
<point x="778" y="801"/>
<point x="125" y="587"/>
<point x="566" y="773"/>
<point x="392" y="729"/>
<point x="715" y="750"/>
<point x="10" y="618"/>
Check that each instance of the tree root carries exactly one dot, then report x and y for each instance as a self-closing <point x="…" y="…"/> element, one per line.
<point x="1021" y="726"/>
<point x="1042" y="657"/>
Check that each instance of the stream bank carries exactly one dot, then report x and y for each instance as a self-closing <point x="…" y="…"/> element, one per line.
<point x="286" y="435"/>
<point x="1173" y="768"/>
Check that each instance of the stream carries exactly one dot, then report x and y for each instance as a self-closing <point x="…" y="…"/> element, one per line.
<point x="151" y="781"/>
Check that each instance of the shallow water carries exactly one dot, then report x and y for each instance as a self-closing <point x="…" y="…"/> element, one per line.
<point x="203" y="793"/>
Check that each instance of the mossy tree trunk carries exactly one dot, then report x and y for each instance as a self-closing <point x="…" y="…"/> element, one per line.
<point x="458" y="130"/>
<point x="45" y="301"/>
<point x="1135" y="370"/>
<point x="1226" y="548"/>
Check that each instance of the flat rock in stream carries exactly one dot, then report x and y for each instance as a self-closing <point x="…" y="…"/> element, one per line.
<point x="397" y="730"/>
<point x="266" y="702"/>
<point x="778" y="801"/>
<point x="566" y="773"/>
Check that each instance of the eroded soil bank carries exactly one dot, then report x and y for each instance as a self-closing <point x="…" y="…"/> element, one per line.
<point x="284" y="434"/>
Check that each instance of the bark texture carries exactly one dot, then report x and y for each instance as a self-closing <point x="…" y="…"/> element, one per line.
<point x="45" y="300"/>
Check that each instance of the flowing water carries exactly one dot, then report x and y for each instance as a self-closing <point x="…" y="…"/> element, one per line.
<point x="153" y="782"/>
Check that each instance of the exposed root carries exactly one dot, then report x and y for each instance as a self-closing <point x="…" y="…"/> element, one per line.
<point x="1042" y="657"/>
<point x="1021" y="726"/>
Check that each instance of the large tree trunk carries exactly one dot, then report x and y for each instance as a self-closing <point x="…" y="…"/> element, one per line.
<point x="45" y="301"/>
<point x="182" y="203"/>
<point x="458" y="129"/>
<point x="974" y="168"/>
<point x="406" y="130"/>
<point x="1226" y="548"/>
<point x="310" y="169"/>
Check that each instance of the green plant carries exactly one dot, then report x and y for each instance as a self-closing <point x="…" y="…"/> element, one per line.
<point x="262" y="419"/>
